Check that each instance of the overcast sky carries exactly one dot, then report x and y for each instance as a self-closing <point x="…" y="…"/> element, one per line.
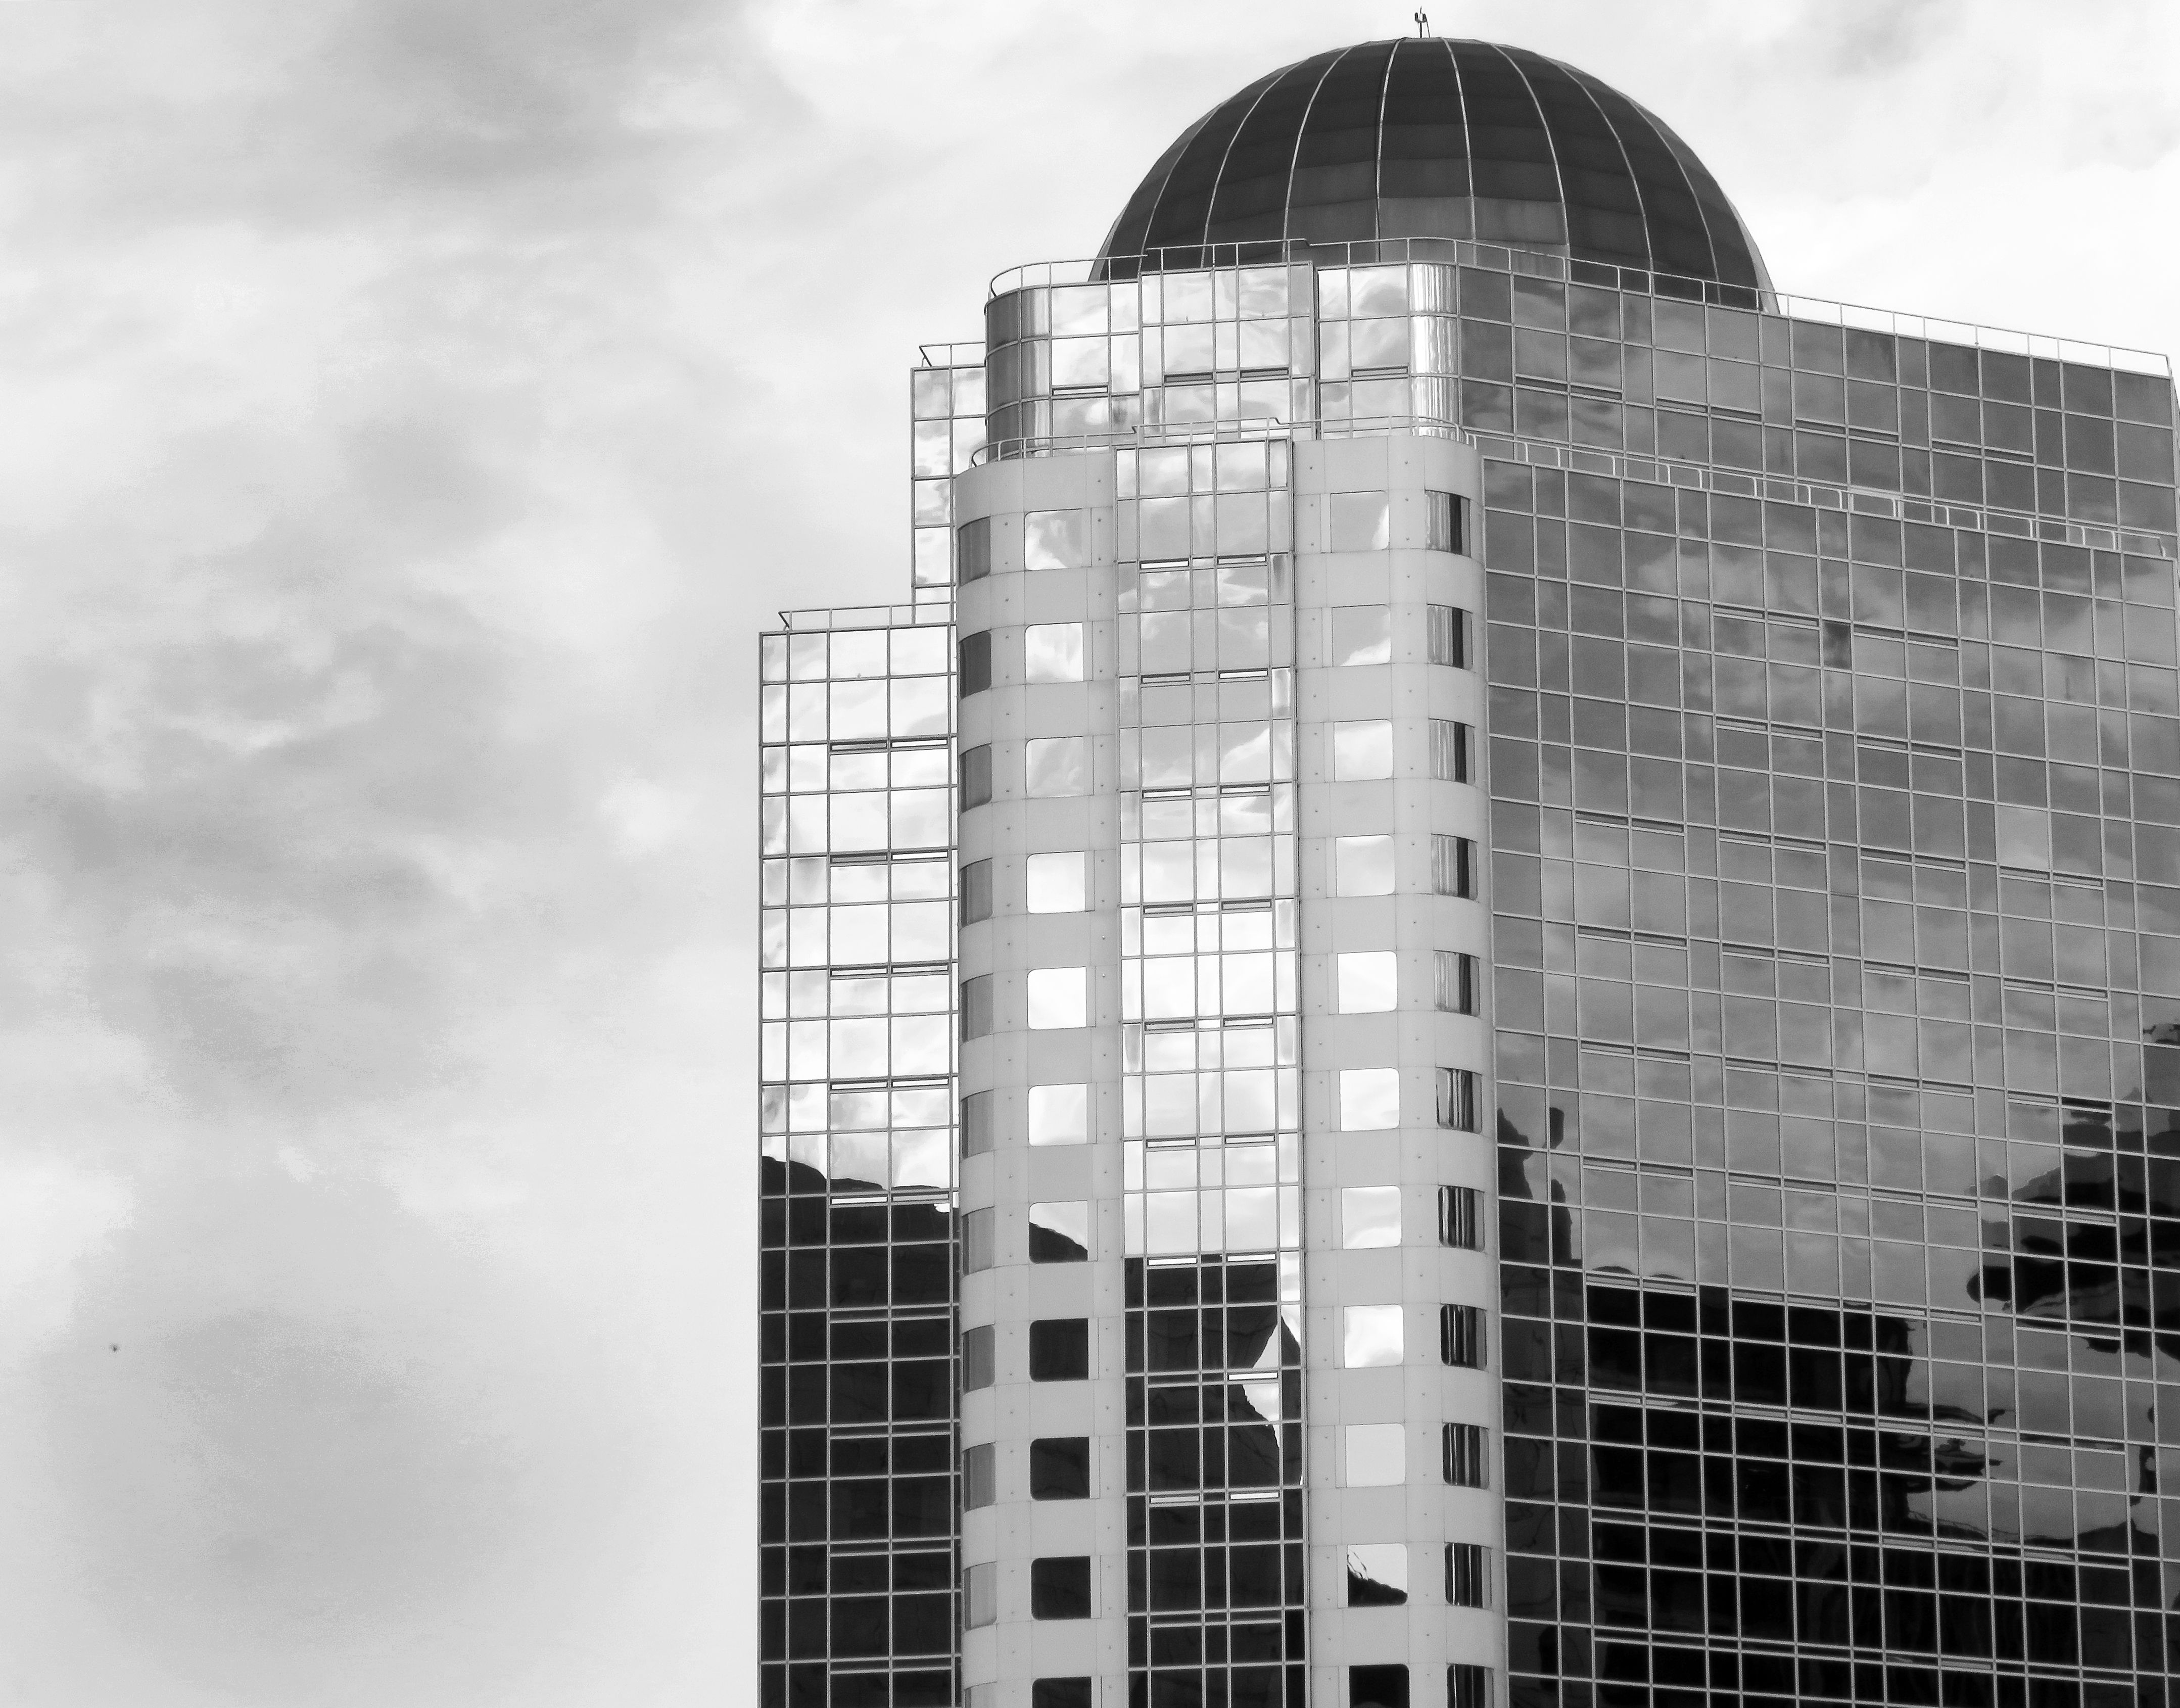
<point x="413" y="408"/>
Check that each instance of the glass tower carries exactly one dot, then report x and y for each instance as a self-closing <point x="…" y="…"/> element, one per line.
<point x="1482" y="1003"/>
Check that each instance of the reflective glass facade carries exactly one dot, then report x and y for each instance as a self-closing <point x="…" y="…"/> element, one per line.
<point x="1481" y="1005"/>
<point x="1830" y="836"/>
<point x="858" y="1515"/>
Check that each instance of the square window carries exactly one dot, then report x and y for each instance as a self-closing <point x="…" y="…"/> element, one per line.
<point x="1362" y="865"/>
<point x="1058" y="1114"/>
<point x="1059" y="1233"/>
<point x="1361" y="635"/>
<point x="1060" y="1468"/>
<point x="1056" y="539"/>
<point x="1464" y="1448"/>
<point x="1377" y="1687"/>
<point x="1359" y="522"/>
<point x="1369" y="1098"/>
<point x="1457" y="981"/>
<point x="1060" y="765"/>
<point x="1362" y="752"/>
<point x="1057" y="882"/>
<point x="1369" y="1215"/>
<point x="1467" y="1686"/>
<point x="1377" y="1575"/>
<point x="1368" y="982"/>
<point x="1377" y="1455"/>
<point x="1461" y="1337"/>
<point x="1059" y="1587"/>
<point x="1052" y="653"/>
<point x="1060" y="1692"/>
<point x="1373" y="1336"/>
<point x="1461" y="1218"/>
<point x="1058" y="997"/>
<point x="1059" y="1349"/>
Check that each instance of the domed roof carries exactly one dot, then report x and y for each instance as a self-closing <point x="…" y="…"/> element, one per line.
<point x="1424" y="137"/>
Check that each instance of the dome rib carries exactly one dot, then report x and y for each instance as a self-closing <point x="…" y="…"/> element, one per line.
<point x="1431" y="137"/>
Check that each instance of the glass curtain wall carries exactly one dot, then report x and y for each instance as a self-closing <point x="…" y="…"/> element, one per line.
<point x="857" y="1268"/>
<point x="1833" y="884"/>
<point x="1217" y="1583"/>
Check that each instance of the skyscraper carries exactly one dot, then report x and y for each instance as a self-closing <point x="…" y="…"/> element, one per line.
<point x="1481" y="1001"/>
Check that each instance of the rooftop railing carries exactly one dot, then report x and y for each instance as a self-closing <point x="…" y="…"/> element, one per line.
<point x="1497" y="258"/>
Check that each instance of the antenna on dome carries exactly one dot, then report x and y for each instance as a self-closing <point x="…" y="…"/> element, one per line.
<point x="1423" y="23"/>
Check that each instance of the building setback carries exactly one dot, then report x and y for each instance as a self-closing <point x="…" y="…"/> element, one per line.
<point x="1480" y="1001"/>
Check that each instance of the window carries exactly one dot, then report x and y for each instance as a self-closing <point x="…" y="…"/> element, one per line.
<point x="977" y="1006"/>
<point x="975" y="776"/>
<point x="1361" y="635"/>
<point x="1448" y="627"/>
<point x="1467" y="1575"/>
<point x="1453" y="866"/>
<point x="1371" y="1337"/>
<point x="978" y="1232"/>
<point x="1445" y="525"/>
<point x="976" y="891"/>
<point x="1059" y="1349"/>
<point x="976" y="663"/>
<point x="973" y="549"/>
<point x="1462" y="1446"/>
<point x="1377" y="1575"/>
<point x="1358" y="522"/>
<point x="982" y="1595"/>
<point x="1362" y="865"/>
<point x="1377" y="1687"/>
<point x="1467" y="1686"/>
<point x="1056" y="766"/>
<point x="1060" y="1692"/>
<point x="1056" y="883"/>
<point x="1056" y="540"/>
<point x="1060" y="1233"/>
<point x="978" y="1361"/>
<point x="1460" y="1217"/>
<point x="1369" y="1215"/>
<point x="1058" y="1114"/>
<point x="1377" y="1455"/>
<point x="1367" y="982"/>
<point x="1058" y="997"/>
<point x="1060" y="1468"/>
<point x="977" y="1477"/>
<point x="1369" y="1098"/>
<point x="1457" y="1099"/>
<point x="1461" y="1337"/>
<point x="1059" y="1587"/>
<point x="977" y="1123"/>
<point x="1052" y="653"/>
<point x="1362" y="752"/>
<point x="1456" y="982"/>
<point x="1449" y="745"/>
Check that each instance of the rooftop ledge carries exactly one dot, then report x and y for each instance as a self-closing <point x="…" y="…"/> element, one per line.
<point x="1497" y="258"/>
